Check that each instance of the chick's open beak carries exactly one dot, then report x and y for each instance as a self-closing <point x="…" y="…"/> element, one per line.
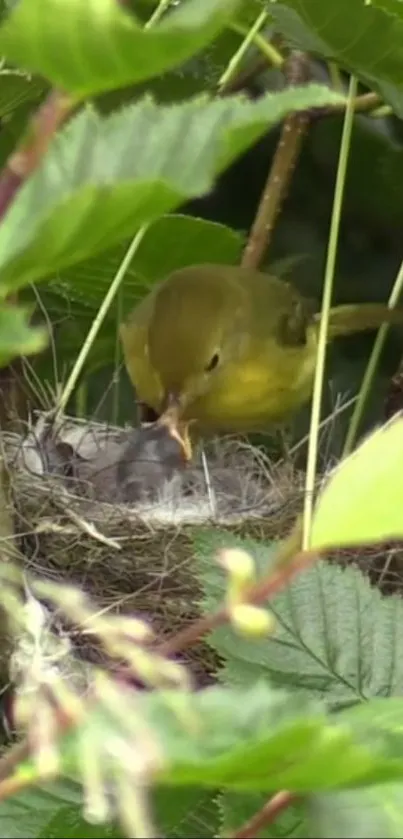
<point x="178" y="429"/>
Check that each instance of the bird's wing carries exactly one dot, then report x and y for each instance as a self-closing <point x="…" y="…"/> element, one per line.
<point x="279" y="311"/>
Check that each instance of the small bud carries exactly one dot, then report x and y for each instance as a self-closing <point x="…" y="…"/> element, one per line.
<point x="96" y="805"/>
<point x="43" y="736"/>
<point x="252" y="621"/>
<point x="132" y="628"/>
<point x="241" y="571"/>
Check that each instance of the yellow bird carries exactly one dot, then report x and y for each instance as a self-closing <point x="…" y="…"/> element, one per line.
<point x="230" y="349"/>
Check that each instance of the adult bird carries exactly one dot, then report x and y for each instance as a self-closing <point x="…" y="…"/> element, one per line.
<point x="227" y="349"/>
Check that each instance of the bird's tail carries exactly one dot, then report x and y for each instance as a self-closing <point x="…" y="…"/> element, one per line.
<point x="358" y="317"/>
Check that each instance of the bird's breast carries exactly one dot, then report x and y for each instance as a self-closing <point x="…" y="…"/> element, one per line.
<point x="260" y="391"/>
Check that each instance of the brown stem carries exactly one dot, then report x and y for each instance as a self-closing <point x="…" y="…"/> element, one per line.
<point x="282" y="167"/>
<point x="24" y="160"/>
<point x="258" y="593"/>
<point x="265" y="816"/>
<point x="362" y="104"/>
<point x="19" y="166"/>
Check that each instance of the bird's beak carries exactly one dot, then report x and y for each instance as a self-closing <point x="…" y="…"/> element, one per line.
<point x="178" y="429"/>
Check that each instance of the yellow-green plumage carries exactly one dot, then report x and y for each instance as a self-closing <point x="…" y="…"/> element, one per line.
<point x="262" y="330"/>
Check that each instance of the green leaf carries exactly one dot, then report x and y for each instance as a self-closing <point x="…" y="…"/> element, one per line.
<point x="54" y="811"/>
<point x="105" y="177"/>
<point x="391" y="7"/>
<point x="250" y="10"/>
<point x="17" y="337"/>
<point x="376" y="50"/>
<point x="16" y="89"/>
<point x="361" y="500"/>
<point x="50" y="812"/>
<point x="88" y="47"/>
<point x="185" y="811"/>
<point x="170" y="243"/>
<point x="336" y="636"/>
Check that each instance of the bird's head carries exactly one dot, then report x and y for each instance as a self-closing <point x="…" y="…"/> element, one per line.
<point x="193" y="332"/>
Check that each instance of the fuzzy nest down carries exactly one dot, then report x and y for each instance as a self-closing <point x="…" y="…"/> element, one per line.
<point x="74" y="525"/>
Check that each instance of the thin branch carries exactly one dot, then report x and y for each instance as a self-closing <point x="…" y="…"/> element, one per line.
<point x="233" y="65"/>
<point x="265" y="816"/>
<point x="258" y="593"/>
<point x="25" y="159"/>
<point x="158" y="13"/>
<point x="281" y="170"/>
<point x="98" y="321"/>
<point x="365" y="103"/>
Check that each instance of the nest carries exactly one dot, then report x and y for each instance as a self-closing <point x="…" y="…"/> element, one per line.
<point x="75" y="522"/>
<point x="131" y="550"/>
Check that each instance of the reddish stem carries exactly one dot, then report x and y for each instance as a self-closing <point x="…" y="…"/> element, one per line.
<point x="258" y="593"/>
<point x="265" y="816"/>
<point x="25" y="159"/>
<point x="281" y="170"/>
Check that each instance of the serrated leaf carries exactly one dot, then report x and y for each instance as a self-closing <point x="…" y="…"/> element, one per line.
<point x="55" y="812"/>
<point x="50" y="812"/>
<point x="181" y="812"/>
<point x="336" y="637"/>
<point x="86" y="47"/>
<point x="361" y="501"/>
<point x="105" y="177"/>
<point x="17" y="337"/>
<point x="376" y="50"/>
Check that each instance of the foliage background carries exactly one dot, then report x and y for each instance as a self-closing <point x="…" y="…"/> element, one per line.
<point x="325" y="608"/>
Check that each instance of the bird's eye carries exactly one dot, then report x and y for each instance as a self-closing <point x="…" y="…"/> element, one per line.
<point x="212" y="363"/>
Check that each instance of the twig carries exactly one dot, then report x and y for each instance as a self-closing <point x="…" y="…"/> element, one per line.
<point x="268" y="50"/>
<point x="25" y="159"/>
<point x="261" y="591"/>
<point x="265" y="816"/>
<point x="158" y="13"/>
<point x="366" y="102"/>
<point x="236" y="59"/>
<point x="281" y="169"/>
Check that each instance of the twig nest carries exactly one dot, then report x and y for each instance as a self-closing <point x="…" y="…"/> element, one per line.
<point x="87" y="511"/>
